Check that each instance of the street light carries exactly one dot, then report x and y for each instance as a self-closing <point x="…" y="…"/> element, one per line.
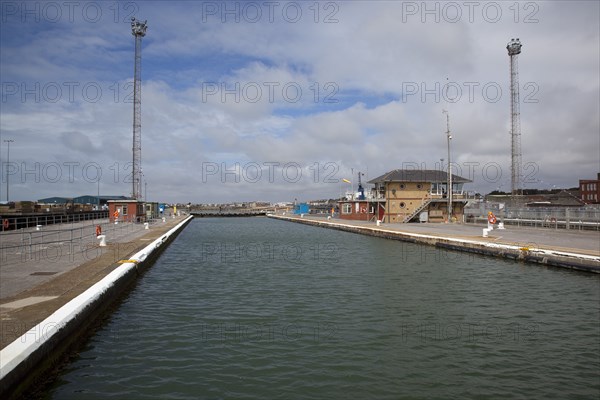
<point x="8" y="142"/>
<point x="449" y="136"/>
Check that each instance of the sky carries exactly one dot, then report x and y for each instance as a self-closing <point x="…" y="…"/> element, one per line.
<point x="276" y="101"/>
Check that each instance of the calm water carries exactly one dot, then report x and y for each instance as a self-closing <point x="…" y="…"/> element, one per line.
<point x="257" y="308"/>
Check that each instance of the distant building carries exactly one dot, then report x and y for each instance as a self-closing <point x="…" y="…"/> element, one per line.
<point x="301" y="208"/>
<point x="589" y="190"/>
<point x="85" y="199"/>
<point x="55" y="200"/>
<point x="408" y="195"/>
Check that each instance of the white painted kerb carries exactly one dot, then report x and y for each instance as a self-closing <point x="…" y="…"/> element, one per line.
<point x="19" y="350"/>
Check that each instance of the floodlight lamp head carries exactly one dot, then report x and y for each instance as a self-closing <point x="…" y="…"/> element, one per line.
<point x="138" y="28"/>
<point x="514" y="47"/>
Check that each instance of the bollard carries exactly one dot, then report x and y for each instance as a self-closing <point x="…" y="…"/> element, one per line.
<point x="500" y="225"/>
<point x="485" y="232"/>
<point x="164" y="219"/>
<point x="301" y="215"/>
<point x="38" y="227"/>
<point x="378" y="222"/>
<point x="102" y="239"/>
<point x="328" y="217"/>
<point x="146" y="225"/>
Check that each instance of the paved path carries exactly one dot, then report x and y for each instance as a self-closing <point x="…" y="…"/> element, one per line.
<point x="35" y="284"/>
<point x="29" y="257"/>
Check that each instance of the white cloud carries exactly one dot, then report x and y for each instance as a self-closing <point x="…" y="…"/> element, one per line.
<point x="201" y="107"/>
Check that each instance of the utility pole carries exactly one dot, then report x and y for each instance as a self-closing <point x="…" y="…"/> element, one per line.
<point x="8" y="142"/>
<point x="449" y="137"/>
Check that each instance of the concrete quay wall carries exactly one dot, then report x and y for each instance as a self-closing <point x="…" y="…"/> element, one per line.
<point x="24" y="361"/>
<point x="563" y="259"/>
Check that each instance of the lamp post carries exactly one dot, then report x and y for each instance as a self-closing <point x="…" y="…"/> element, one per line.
<point x="8" y="142"/>
<point x="449" y="137"/>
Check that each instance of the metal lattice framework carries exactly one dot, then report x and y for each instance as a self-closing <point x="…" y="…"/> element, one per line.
<point x="138" y="30"/>
<point x="514" y="49"/>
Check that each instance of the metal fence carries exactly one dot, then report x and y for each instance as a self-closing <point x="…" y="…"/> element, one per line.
<point x="12" y="223"/>
<point x="587" y="218"/>
<point x="64" y="240"/>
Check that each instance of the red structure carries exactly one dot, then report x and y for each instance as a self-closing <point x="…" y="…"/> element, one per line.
<point x="362" y="210"/>
<point x="126" y="211"/>
<point x="589" y="190"/>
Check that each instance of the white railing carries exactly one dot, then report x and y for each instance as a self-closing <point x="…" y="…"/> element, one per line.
<point x="550" y="217"/>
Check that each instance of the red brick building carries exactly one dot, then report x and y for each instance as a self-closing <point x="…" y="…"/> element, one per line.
<point x="362" y="210"/>
<point x="589" y="190"/>
<point x="126" y="211"/>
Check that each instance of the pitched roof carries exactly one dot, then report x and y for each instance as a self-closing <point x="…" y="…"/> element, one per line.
<point x="418" y="175"/>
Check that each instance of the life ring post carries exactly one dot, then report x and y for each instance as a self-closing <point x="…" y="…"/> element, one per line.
<point x="491" y="218"/>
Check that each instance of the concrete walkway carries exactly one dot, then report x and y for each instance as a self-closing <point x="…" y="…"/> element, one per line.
<point x="37" y="279"/>
<point x="582" y="242"/>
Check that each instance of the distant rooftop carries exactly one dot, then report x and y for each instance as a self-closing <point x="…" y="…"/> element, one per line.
<point x="80" y="199"/>
<point x="418" y="175"/>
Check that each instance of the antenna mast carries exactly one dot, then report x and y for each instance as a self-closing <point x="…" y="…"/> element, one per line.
<point x="514" y="49"/>
<point x="138" y="30"/>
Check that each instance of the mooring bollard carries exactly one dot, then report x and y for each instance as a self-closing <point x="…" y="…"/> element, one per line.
<point x="102" y="239"/>
<point x="146" y="225"/>
<point x="328" y="217"/>
<point x="38" y="227"/>
<point x="378" y="222"/>
<point x="301" y="215"/>
<point x="501" y="225"/>
<point x="485" y="232"/>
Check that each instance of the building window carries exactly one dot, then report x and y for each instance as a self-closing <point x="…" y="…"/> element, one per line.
<point x="346" y="208"/>
<point x="124" y="209"/>
<point x="402" y="204"/>
<point x="402" y="186"/>
<point x="419" y="186"/>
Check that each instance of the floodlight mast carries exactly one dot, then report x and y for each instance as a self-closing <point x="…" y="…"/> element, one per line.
<point x="514" y="49"/>
<point x="138" y="30"/>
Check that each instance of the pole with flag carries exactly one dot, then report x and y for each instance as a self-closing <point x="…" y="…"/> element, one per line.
<point x="350" y="183"/>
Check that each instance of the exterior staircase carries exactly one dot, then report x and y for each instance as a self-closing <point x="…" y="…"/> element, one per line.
<point x="417" y="211"/>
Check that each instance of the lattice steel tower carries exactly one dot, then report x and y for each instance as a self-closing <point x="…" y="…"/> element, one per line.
<point x="514" y="49"/>
<point x="138" y="30"/>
